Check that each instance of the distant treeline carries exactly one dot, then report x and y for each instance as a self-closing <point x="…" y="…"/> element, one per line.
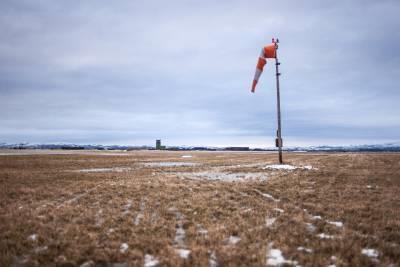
<point x="361" y="148"/>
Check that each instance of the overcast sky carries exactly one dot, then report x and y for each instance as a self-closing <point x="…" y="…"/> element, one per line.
<point x="128" y="72"/>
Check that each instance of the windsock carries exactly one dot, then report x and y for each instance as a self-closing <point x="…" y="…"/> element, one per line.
<point x="268" y="51"/>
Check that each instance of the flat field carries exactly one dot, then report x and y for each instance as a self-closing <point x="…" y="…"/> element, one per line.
<point x="159" y="208"/>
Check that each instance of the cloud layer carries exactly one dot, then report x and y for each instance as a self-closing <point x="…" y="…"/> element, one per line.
<point x="132" y="71"/>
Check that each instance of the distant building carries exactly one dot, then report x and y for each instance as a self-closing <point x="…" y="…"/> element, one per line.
<point x="158" y="145"/>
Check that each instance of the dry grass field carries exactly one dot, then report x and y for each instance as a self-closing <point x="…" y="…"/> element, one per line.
<point x="150" y="208"/>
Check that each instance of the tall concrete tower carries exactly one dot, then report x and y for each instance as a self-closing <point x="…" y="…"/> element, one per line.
<point x="158" y="144"/>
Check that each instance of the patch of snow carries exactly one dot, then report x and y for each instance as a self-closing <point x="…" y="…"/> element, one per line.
<point x="316" y="217"/>
<point x="180" y="236"/>
<point x="307" y="167"/>
<point x="286" y="167"/>
<point x="33" y="237"/>
<point x="88" y="264"/>
<point x="212" y="261"/>
<point x="123" y="248"/>
<point x="169" y="164"/>
<point x="337" y="224"/>
<point x="183" y="253"/>
<point x="369" y="186"/>
<point x="186" y="156"/>
<point x="138" y="218"/>
<point x="308" y="250"/>
<point x="110" y="231"/>
<point x="150" y="261"/>
<point x="311" y="227"/>
<point x="279" y="210"/>
<point x="372" y="253"/>
<point x="275" y="258"/>
<point x="128" y="205"/>
<point x="202" y="231"/>
<point x="325" y="236"/>
<point x="266" y="195"/>
<point x="269" y="221"/>
<point x="233" y="240"/>
<point x="224" y="176"/>
<point x="41" y="249"/>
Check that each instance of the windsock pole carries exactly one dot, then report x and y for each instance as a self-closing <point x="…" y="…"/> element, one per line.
<point x="278" y="102"/>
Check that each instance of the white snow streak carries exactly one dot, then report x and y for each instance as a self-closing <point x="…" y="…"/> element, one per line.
<point x="33" y="237"/>
<point x="269" y="221"/>
<point x="266" y="195"/>
<point x="224" y="176"/>
<point x="212" y="261"/>
<point x="337" y="224"/>
<point x="150" y="261"/>
<point x="308" y="250"/>
<point x="233" y="240"/>
<point x="325" y="236"/>
<point x="123" y="248"/>
<point x="169" y="164"/>
<point x="279" y="210"/>
<point x="286" y="167"/>
<point x="183" y="253"/>
<point x="372" y="253"/>
<point x="311" y="227"/>
<point x="275" y="258"/>
<point x="316" y="217"/>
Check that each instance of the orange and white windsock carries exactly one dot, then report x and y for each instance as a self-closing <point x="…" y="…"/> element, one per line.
<point x="268" y="51"/>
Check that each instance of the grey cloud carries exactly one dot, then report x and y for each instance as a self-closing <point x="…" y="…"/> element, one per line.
<point x="133" y="71"/>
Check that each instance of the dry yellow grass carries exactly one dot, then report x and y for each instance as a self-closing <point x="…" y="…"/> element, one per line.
<point x="52" y="214"/>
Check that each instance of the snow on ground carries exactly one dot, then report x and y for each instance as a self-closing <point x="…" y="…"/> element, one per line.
<point x="325" y="236"/>
<point x="201" y="230"/>
<point x="169" y="164"/>
<point x="212" y="261"/>
<point x="223" y="176"/>
<point x="138" y="218"/>
<point x="150" y="261"/>
<point x="311" y="227"/>
<point x="87" y="264"/>
<point x="287" y="167"/>
<point x="233" y="240"/>
<point x="33" y="237"/>
<point x="275" y="258"/>
<point x="308" y="250"/>
<point x="99" y="219"/>
<point x="266" y="195"/>
<point x="40" y="249"/>
<point x="279" y="210"/>
<point x="372" y="253"/>
<point x="183" y="253"/>
<point x="316" y="217"/>
<point x="180" y="235"/>
<point x="269" y="221"/>
<point x="186" y="156"/>
<point x="337" y="224"/>
<point x="140" y="215"/>
<point x="123" y="248"/>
